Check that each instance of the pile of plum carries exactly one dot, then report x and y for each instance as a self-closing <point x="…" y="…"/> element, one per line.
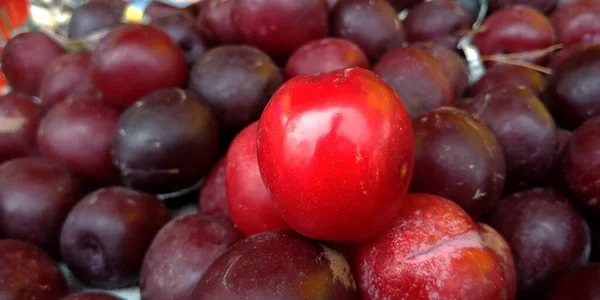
<point x="337" y="150"/>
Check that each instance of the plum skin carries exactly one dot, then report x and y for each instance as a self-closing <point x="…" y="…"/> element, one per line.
<point x="578" y="283"/>
<point x="213" y="195"/>
<point x="337" y="116"/>
<point x="181" y="252"/>
<point x="19" y="121"/>
<point x="106" y="234"/>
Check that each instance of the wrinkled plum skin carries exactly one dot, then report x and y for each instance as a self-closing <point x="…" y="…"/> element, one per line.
<point x="370" y="24"/>
<point x="80" y="133"/>
<point x="278" y="27"/>
<point x="28" y="273"/>
<point x="215" y="15"/>
<point x="504" y="74"/>
<point x="325" y="55"/>
<point x="573" y="88"/>
<point x="191" y="37"/>
<point x="25" y="58"/>
<point x="91" y="296"/>
<point x="461" y="156"/>
<point x="134" y="60"/>
<point x="546" y="235"/>
<point x="515" y="29"/>
<point x="439" y="21"/>
<point x="19" y="119"/>
<point x="577" y="22"/>
<point x="434" y="250"/>
<point x="251" y="206"/>
<point x="237" y="82"/>
<point x="181" y="252"/>
<point x="347" y="126"/>
<point x="278" y="265"/>
<point x="531" y="130"/>
<point x="38" y="192"/>
<point x="213" y="196"/>
<point x="165" y="142"/>
<point x="106" y="234"/>
<point x="418" y="79"/>
<point x="93" y="16"/>
<point x="454" y="66"/>
<point x="581" y="163"/>
<point x="544" y="6"/>
<point x="579" y="283"/>
<point x="68" y="75"/>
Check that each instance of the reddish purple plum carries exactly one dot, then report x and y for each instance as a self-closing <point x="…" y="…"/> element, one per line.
<point x="213" y="196"/>
<point x="19" y="120"/>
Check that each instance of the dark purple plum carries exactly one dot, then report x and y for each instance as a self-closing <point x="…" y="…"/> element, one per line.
<point x="213" y="196"/>
<point x="574" y="86"/>
<point x="165" y="142"/>
<point x="581" y="165"/>
<point x="68" y="75"/>
<point x="25" y="58"/>
<point x="523" y="127"/>
<point x="27" y="273"/>
<point x="581" y="283"/>
<point x="461" y="155"/>
<point x="134" y="60"/>
<point x="577" y="23"/>
<point x="216" y="17"/>
<point x="505" y="74"/>
<point x="417" y="77"/>
<point x="454" y="66"/>
<point x="191" y="37"/>
<point x="91" y="296"/>
<point x="19" y="119"/>
<point x="546" y="234"/>
<point x="106" y="235"/>
<point x="371" y="24"/>
<point x="439" y="21"/>
<point x="237" y="81"/>
<point x="181" y="252"/>
<point x="279" y="27"/>
<point x="93" y="16"/>
<point x="278" y="265"/>
<point x="36" y="194"/>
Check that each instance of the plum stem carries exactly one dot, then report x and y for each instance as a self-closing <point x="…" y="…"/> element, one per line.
<point x="470" y="31"/>
<point x="508" y="61"/>
<point x="534" y="53"/>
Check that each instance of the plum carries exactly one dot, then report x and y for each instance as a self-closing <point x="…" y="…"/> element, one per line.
<point x="495" y="242"/>
<point x="573" y="88"/>
<point x="454" y="66"/>
<point x="36" y="194"/>
<point x="581" y="283"/>
<point x="417" y="77"/>
<point x="581" y="162"/>
<point x="577" y="22"/>
<point x="336" y="153"/>
<point x="191" y="37"/>
<point x="28" y="273"/>
<point x="215" y="15"/>
<point x="91" y="296"/>
<point x="370" y="24"/>
<point x="278" y="265"/>
<point x="19" y="120"/>
<point x="181" y="252"/>
<point x="439" y="21"/>
<point x="68" y="75"/>
<point x="461" y="155"/>
<point x="434" y="250"/>
<point x="515" y="29"/>
<point x="25" y="58"/>
<point x="213" y="196"/>
<point x="324" y="55"/>
<point x="80" y="133"/>
<point x="106" y="234"/>
<point x="546" y="235"/>
<point x="251" y="206"/>
<point x="523" y="127"/>
<point x="505" y="74"/>
<point x="93" y="16"/>
<point x="158" y="10"/>
<point x="237" y="81"/>
<point x="134" y="60"/>
<point x="278" y="27"/>
<point x="165" y="142"/>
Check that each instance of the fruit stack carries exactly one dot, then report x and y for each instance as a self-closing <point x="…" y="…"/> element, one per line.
<point x="331" y="150"/>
